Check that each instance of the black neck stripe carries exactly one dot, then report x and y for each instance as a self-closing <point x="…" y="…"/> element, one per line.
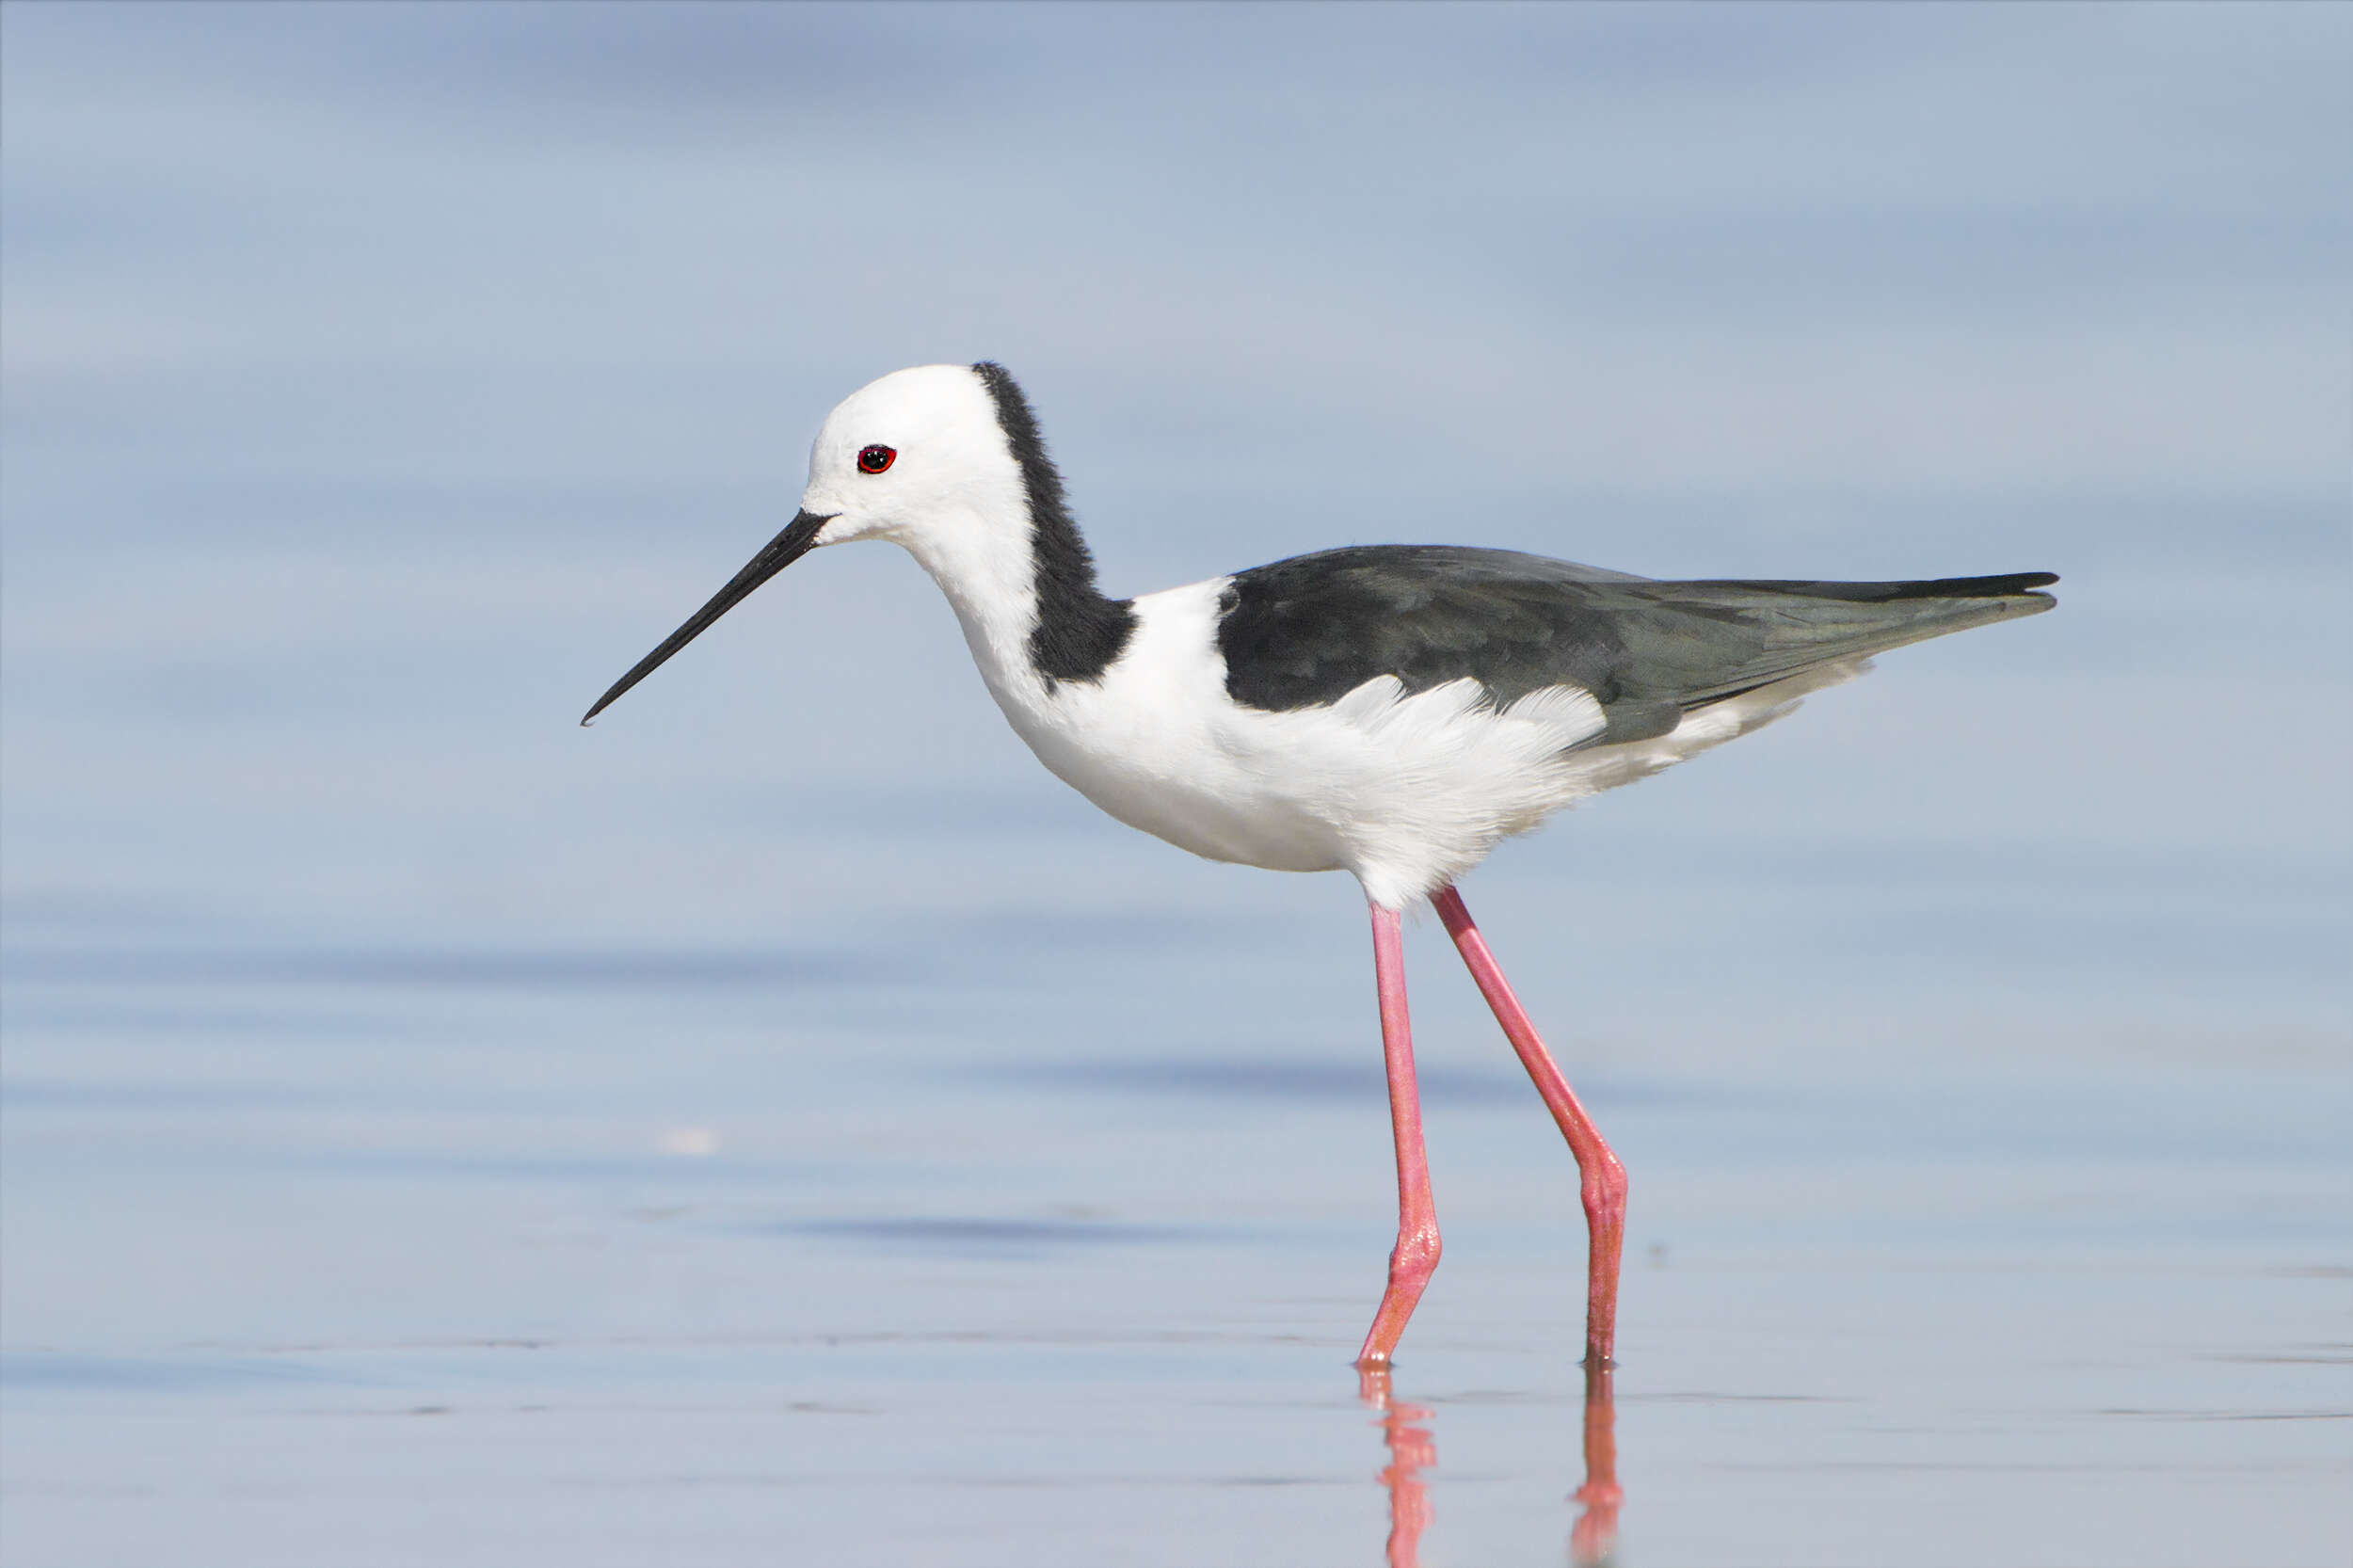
<point x="1078" y="632"/>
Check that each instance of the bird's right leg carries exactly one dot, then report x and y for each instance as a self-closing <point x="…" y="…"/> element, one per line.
<point x="1416" y="1253"/>
<point x="1601" y="1177"/>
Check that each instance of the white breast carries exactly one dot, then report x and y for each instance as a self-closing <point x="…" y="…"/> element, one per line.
<point x="1154" y="742"/>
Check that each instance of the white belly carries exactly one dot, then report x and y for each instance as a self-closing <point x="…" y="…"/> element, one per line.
<point x="1213" y="808"/>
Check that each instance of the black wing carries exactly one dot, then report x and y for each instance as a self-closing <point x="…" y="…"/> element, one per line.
<point x="1301" y="633"/>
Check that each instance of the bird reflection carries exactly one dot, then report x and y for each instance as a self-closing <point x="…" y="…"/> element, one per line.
<point x="1412" y="1451"/>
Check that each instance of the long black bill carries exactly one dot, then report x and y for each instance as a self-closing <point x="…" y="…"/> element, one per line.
<point x="780" y="552"/>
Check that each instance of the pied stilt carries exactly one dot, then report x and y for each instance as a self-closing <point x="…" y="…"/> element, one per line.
<point x="1390" y="711"/>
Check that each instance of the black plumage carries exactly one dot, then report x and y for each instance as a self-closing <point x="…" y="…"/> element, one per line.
<point x="1303" y="632"/>
<point x="1080" y="631"/>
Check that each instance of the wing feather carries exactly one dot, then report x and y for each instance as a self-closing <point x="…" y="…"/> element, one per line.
<point x="1304" y="632"/>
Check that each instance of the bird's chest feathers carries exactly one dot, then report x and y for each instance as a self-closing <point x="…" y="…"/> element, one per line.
<point x="1141" y="724"/>
<point x="1156" y="743"/>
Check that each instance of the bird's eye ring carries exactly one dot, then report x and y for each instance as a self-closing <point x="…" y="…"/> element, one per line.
<point x="873" y="460"/>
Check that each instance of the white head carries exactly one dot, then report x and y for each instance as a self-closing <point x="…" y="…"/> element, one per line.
<point x="942" y="460"/>
<point x="904" y="457"/>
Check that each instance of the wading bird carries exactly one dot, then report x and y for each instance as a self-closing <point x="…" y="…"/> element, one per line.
<point x="1390" y="711"/>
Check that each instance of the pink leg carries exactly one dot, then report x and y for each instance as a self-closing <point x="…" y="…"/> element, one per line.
<point x="1416" y="1253"/>
<point x="1602" y="1179"/>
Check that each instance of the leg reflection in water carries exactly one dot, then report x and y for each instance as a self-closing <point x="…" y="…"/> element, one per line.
<point x="1596" y="1533"/>
<point x="1412" y="1451"/>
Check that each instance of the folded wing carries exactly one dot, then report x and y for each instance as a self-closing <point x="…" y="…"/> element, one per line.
<point x="1303" y="631"/>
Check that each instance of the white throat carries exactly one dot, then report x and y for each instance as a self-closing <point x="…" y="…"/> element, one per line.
<point x="987" y="566"/>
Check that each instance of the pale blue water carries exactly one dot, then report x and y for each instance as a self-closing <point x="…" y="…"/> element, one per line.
<point x="878" y="1256"/>
<point x="781" y="1125"/>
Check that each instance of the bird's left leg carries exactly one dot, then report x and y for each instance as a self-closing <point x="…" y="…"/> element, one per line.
<point x="1417" y="1255"/>
<point x="1601" y="1177"/>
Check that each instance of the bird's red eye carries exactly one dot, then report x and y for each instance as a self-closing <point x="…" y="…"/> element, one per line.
<point x="873" y="460"/>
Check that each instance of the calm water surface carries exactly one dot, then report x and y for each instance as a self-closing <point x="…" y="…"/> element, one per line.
<point x="400" y="1254"/>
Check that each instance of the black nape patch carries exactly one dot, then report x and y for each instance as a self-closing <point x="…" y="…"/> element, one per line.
<point x="1079" y="633"/>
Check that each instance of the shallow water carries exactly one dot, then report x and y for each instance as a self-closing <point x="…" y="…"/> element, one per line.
<point x="745" y="1258"/>
<point x="780" y="1124"/>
